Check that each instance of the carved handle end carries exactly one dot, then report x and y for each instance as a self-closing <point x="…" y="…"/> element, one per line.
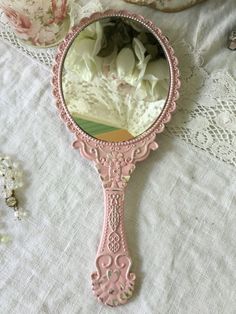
<point x="112" y="283"/>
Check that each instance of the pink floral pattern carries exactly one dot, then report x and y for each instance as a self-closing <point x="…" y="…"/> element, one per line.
<point x="40" y="24"/>
<point x="59" y="12"/>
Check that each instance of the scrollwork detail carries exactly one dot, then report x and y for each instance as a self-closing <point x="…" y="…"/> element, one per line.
<point x="116" y="165"/>
<point x="113" y="284"/>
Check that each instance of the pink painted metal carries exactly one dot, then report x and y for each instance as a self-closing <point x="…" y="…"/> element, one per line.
<point x="112" y="282"/>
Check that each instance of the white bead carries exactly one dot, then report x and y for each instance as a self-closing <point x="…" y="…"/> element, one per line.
<point x="17" y="214"/>
<point x="4" y="239"/>
<point x="25" y="214"/>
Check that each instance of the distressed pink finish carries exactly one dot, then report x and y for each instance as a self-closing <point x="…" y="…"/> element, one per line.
<point x="112" y="282"/>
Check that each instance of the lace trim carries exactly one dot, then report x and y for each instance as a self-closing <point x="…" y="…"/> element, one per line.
<point x="206" y="112"/>
<point x="206" y="115"/>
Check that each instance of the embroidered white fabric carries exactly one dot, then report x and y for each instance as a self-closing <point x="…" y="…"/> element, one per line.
<point x="206" y="113"/>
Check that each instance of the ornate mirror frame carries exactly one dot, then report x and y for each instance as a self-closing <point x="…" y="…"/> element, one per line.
<point x="112" y="282"/>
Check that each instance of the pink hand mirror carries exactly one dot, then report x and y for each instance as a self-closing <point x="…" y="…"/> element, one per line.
<point x="116" y="82"/>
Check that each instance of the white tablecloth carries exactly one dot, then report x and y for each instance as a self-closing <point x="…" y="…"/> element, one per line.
<point x="180" y="202"/>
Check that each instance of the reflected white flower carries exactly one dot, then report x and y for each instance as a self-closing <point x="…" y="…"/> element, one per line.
<point x="129" y="85"/>
<point x="157" y="70"/>
<point x="141" y="66"/>
<point x="157" y="78"/>
<point x="131" y="67"/>
<point x="125" y="63"/>
<point x="139" y="50"/>
<point x="82" y="56"/>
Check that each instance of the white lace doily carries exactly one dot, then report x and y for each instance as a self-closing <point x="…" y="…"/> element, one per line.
<point x="206" y="112"/>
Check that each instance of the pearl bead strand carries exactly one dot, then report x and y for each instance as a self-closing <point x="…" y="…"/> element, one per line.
<point x="10" y="180"/>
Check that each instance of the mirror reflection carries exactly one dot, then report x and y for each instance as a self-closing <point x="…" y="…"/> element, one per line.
<point x="115" y="79"/>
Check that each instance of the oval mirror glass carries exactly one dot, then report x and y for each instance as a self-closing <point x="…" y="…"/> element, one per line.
<point x="115" y="79"/>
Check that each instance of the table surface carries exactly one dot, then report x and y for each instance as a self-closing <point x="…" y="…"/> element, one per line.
<point x="180" y="202"/>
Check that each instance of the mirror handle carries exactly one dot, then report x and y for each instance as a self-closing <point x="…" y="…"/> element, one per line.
<point x="113" y="283"/>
